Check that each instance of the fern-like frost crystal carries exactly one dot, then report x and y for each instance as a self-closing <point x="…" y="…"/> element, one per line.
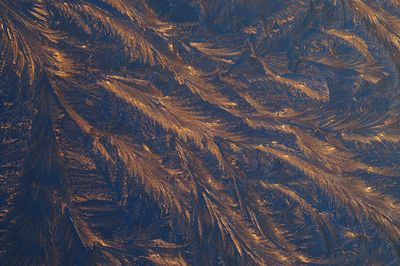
<point x="199" y="132"/>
